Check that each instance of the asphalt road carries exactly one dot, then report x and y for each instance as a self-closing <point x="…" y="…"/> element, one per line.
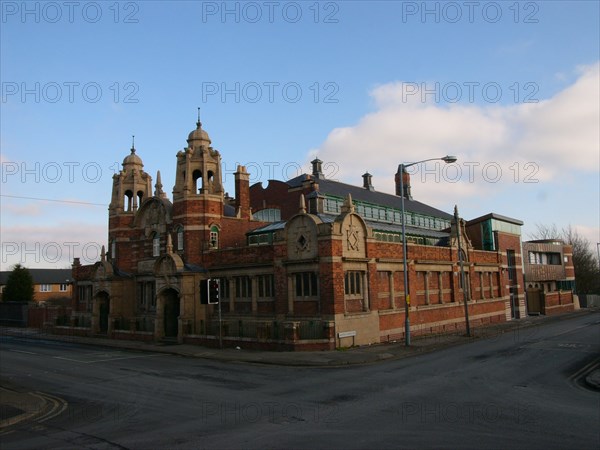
<point x="518" y="390"/>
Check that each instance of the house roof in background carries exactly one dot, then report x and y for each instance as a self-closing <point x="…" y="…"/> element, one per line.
<point x="43" y="276"/>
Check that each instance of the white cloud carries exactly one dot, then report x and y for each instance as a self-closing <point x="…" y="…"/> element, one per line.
<point x="53" y="245"/>
<point x="527" y="140"/>
<point x="21" y="211"/>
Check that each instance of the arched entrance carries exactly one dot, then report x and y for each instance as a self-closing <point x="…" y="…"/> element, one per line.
<point x="103" y="300"/>
<point x="170" y="312"/>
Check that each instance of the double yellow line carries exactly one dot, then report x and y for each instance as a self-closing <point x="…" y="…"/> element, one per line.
<point x="48" y="407"/>
<point x="588" y="368"/>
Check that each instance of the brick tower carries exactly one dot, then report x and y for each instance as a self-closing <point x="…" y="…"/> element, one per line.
<point x="198" y="197"/>
<point x="131" y="186"/>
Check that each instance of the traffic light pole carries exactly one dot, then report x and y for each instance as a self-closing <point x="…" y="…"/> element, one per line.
<point x="210" y="293"/>
<point x="220" y="326"/>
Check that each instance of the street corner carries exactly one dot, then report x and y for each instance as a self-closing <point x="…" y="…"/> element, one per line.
<point x="592" y="380"/>
<point x="19" y="405"/>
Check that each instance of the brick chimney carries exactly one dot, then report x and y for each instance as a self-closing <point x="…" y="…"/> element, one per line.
<point x="317" y="169"/>
<point x="242" y="192"/>
<point x="367" y="184"/>
<point x="405" y="181"/>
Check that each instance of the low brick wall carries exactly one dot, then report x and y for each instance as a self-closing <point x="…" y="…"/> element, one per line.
<point x="145" y="336"/>
<point x="253" y="344"/>
<point x="558" y="302"/>
<point x="441" y="319"/>
<point x="71" y="331"/>
<point x="39" y="316"/>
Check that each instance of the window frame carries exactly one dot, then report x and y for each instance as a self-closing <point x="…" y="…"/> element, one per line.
<point x="306" y="285"/>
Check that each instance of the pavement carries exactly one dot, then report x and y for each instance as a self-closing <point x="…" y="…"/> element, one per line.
<point x="17" y="405"/>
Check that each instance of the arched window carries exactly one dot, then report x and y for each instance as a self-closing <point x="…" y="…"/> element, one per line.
<point x="268" y="215"/>
<point x="113" y="250"/>
<point x="140" y="198"/>
<point x="214" y="237"/>
<point x="210" y="180"/>
<point x="155" y="245"/>
<point x="128" y="200"/>
<point x="179" y="244"/>
<point x="197" y="175"/>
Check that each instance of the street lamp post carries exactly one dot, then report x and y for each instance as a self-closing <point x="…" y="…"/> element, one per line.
<point x="447" y="159"/>
<point x="462" y="270"/>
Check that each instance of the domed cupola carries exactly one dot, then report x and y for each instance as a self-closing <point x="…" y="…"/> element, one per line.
<point x="198" y="167"/>
<point x="131" y="186"/>
<point x="132" y="160"/>
<point x="198" y="137"/>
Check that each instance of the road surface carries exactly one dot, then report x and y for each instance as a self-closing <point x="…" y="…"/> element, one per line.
<point x="521" y="389"/>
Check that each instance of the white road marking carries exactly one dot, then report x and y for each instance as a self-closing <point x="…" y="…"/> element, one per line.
<point x="21" y="351"/>
<point x="105" y="360"/>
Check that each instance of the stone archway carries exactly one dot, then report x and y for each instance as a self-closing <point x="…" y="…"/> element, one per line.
<point x="171" y="312"/>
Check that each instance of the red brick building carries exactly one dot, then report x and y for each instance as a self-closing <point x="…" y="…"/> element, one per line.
<point x="308" y="263"/>
<point x="48" y="284"/>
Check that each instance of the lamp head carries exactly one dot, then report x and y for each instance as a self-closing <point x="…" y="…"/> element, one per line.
<point x="449" y="159"/>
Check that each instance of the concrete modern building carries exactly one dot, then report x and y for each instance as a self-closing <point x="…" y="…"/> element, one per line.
<point x="308" y="263"/>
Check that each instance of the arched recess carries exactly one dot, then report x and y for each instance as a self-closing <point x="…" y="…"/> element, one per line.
<point x="197" y="175"/>
<point x="155" y="239"/>
<point x="210" y="178"/>
<point x="102" y="301"/>
<point x="301" y="233"/>
<point x="128" y="201"/>
<point x="354" y="234"/>
<point x="170" y="304"/>
<point x="153" y="212"/>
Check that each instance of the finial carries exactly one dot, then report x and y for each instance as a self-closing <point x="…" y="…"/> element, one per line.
<point x="302" y="207"/>
<point x="158" y="192"/>
<point x="132" y="143"/>
<point x="103" y="254"/>
<point x="198" y="124"/>
<point x="169" y="244"/>
<point x="348" y="206"/>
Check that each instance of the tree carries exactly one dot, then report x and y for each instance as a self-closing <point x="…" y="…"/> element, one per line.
<point x="19" y="286"/>
<point x="587" y="273"/>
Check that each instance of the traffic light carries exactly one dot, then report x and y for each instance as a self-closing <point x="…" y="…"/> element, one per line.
<point x="209" y="291"/>
<point x="213" y="290"/>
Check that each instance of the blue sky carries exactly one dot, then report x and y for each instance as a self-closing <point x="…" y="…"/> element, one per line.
<point x="510" y="88"/>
